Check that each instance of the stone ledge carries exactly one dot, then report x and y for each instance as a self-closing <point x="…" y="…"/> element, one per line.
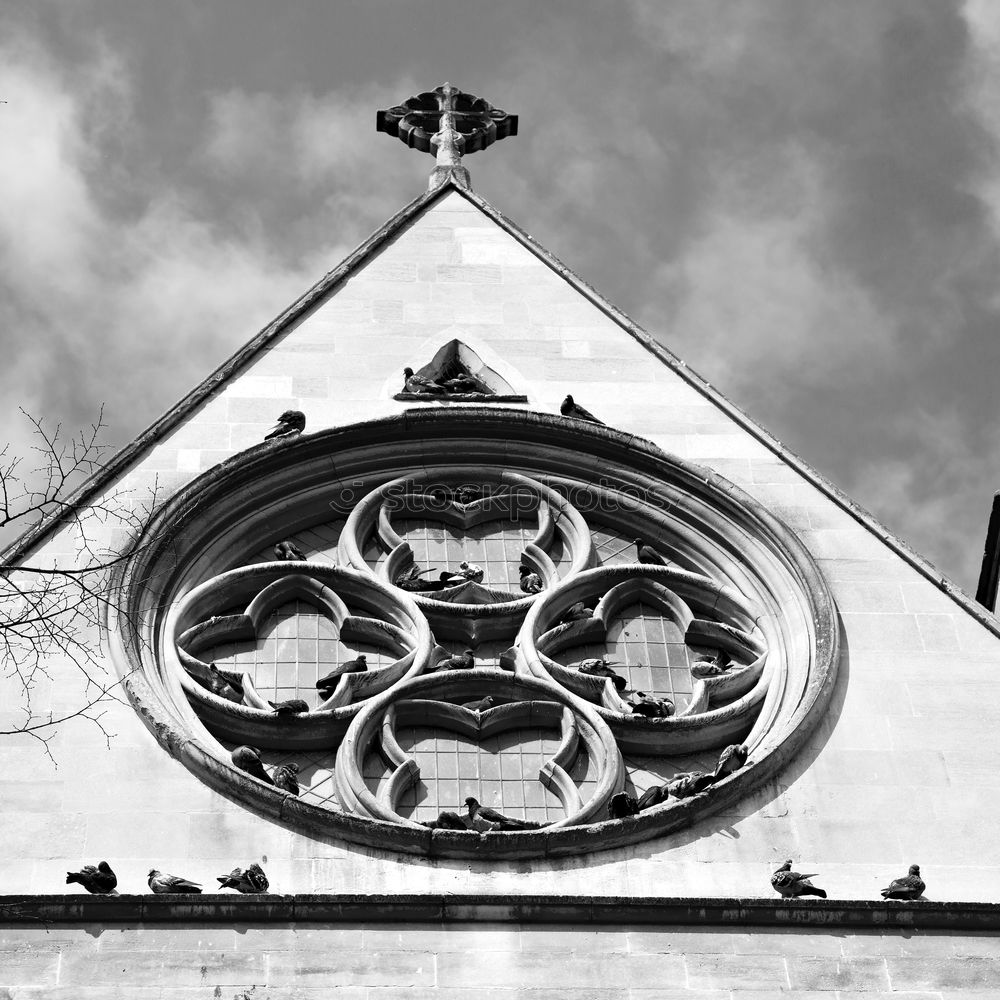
<point x="435" y="908"/>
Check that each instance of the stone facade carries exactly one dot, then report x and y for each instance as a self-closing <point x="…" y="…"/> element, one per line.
<point x="904" y="768"/>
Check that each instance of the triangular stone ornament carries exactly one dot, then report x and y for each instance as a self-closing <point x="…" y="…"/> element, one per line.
<point x="456" y="373"/>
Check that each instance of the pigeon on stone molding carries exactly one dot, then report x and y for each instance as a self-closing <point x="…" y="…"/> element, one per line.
<point x="600" y="668"/>
<point x="531" y="583"/>
<point x="471" y="571"/>
<point x="286" y="778"/>
<point x="465" y="660"/>
<point x="731" y="760"/>
<point x="911" y="886"/>
<point x="329" y="681"/>
<point x="570" y="408"/>
<point x="248" y="881"/>
<point x="446" y="820"/>
<point x="290" y="423"/>
<point x="484" y="819"/>
<point x="248" y="759"/>
<point x="621" y="805"/>
<point x="293" y="706"/>
<point x="484" y="704"/>
<point x="647" y="555"/>
<point x="652" y="708"/>
<point x="289" y="552"/>
<point x="578" y="612"/>
<point x="222" y="686"/>
<point x="420" y="385"/>
<point x="99" y="880"/>
<point x="791" y="884"/>
<point x="162" y="883"/>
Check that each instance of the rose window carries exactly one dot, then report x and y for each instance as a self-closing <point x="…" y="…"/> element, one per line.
<point x="556" y="620"/>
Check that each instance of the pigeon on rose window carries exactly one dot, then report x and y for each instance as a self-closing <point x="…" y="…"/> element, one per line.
<point x="290" y="423"/>
<point x="570" y="408"/>
<point x="248" y="759"/>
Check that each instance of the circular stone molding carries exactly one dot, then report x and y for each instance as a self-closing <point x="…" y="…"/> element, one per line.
<point x="733" y="587"/>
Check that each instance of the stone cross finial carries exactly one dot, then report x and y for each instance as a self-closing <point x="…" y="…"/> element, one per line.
<point x="449" y="124"/>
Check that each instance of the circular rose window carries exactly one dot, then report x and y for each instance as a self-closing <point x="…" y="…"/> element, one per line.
<point x="477" y="632"/>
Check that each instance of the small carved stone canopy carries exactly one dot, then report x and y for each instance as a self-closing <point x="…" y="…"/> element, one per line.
<point x="456" y="359"/>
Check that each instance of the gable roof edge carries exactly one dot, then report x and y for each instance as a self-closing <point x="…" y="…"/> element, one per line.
<point x="119" y="463"/>
<point x="984" y="616"/>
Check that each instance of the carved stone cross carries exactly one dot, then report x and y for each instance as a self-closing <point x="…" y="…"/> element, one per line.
<point x="448" y="123"/>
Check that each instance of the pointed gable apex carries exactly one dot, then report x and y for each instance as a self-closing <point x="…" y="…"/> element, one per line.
<point x="449" y="261"/>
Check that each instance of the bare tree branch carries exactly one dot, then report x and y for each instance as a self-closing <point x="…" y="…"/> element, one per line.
<point x="59" y="610"/>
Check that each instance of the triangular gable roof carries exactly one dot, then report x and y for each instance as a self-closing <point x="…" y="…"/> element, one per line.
<point x="124" y="459"/>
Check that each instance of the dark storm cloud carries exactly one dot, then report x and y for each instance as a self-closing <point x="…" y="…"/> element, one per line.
<point x="797" y="196"/>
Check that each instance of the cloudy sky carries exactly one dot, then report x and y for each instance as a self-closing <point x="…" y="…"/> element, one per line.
<point x="800" y="198"/>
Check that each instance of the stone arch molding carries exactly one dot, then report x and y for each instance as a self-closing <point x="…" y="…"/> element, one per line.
<point x="567" y="500"/>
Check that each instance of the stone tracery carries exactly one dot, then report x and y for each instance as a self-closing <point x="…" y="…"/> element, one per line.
<point x="722" y="597"/>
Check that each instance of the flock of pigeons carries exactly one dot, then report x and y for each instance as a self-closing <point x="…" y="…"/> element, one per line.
<point x="100" y="880"/>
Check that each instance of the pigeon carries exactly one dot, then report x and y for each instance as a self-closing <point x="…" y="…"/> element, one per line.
<point x="910" y="887"/>
<point x="248" y="759"/>
<point x="648" y="555"/>
<point x="508" y="659"/>
<point x="531" y="583"/>
<point x="790" y="884"/>
<point x="412" y="575"/>
<point x="600" y="668"/>
<point x="449" y="579"/>
<point x="420" y="385"/>
<point x="653" y="797"/>
<point x="461" y="384"/>
<point x="289" y="423"/>
<point x="653" y="708"/>
<point x="689" y="783"/>
<point x="329" y="681"/>
<point x="578" y="612"/>
<point x="160" y="883"/>
<point x="471" y="571"/>
<point x="730" y="760"/>
<point x="480" y="706"/>
<point x="446" y="821"/>
<point x="285" y="778"/>
<point x="711" y="666"/>
<point x="251" y="880"/>
<point x="289" y="552"/>
<point x="466" y="494"/>
<point x="460" y="661"/>
<point x="484" y="818"/>
<point x="570" y="408"/>
<point x="101" y="881"/>
<point x="222" y="686"/>
<point x="622" y="805"/>
<point x="294" y="706"/>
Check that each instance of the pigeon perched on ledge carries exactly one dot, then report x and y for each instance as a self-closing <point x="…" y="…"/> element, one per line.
<point x="446" y="820"/>
<point x="289" y="552"/>
<point x="652" y="708"/>
<point x="162" y="883"/>
<point x="600" y="668"/>
<point x="248" y="759"/>
<point x="622" y="805"/>
<point x="648" y="555"/>
<point x="222" y="686"/>
<point x="329" y="681"/>
<point x="460" y="661"/>
<point x="688" y="783"/>
<point x="100" y="881"/>
<point x="420" y="385"/>
<point x="286" y="778"/>
<point x="791" y="884"/>
<point x="294" y="706"/>
<point x="911" y="886"/>
<point x="484" y="704"/>
<point x="483" y="819"/>
<point x="653" y="797"/>
<point x="471" y="571"/>
<point x="731" y="760"/>
<point x="570" y="408"/>
<point x="290" y="422"/>
<point x="578" y="612"/>
<point x="248" y="881"/>
<point x="531" y="583"/>
<point x="711" y="666"/>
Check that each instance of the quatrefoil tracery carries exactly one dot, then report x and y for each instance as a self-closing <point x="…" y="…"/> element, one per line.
<point x="736" y="583"/>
